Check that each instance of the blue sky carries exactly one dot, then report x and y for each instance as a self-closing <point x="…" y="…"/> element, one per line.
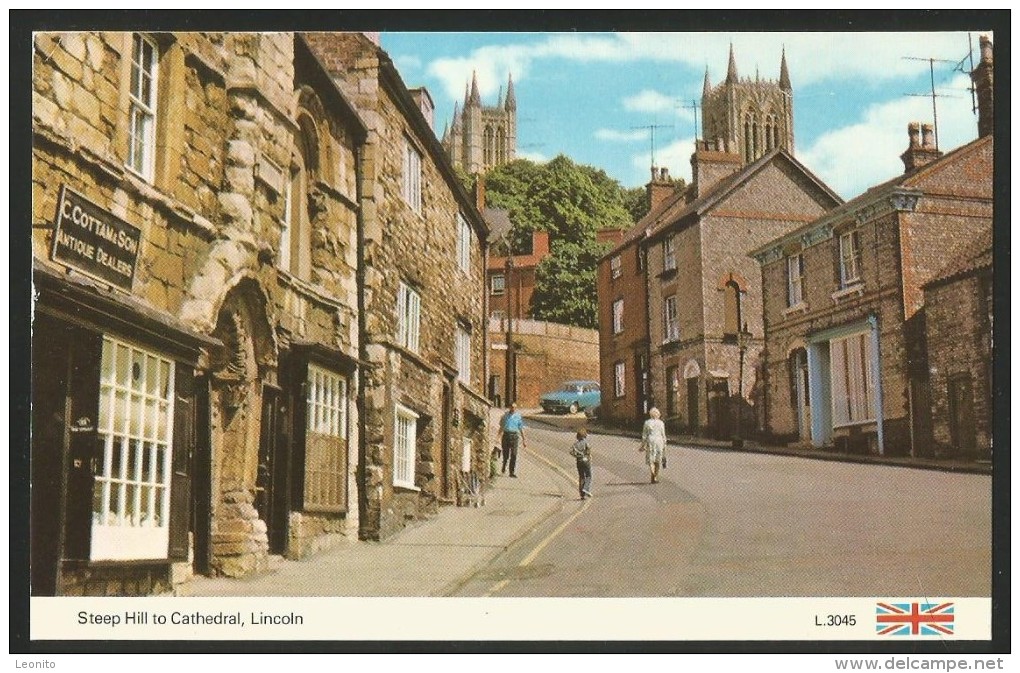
<point x="588" y="95"/>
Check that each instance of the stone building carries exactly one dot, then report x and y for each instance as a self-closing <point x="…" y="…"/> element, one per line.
<point x="195" y="339"/>
<point x="482" y="137"/>
<point x="958" y="317"/>
<point x="847" y="355"/>
<point x="703" y="292"/>
<point x="750" y="117"/>
<point x="424" y="338"/>
<point x="679" y="302"/>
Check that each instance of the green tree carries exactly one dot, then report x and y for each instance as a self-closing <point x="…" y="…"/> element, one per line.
<point x="565" y="290"/>
<point x="572" y="202"/>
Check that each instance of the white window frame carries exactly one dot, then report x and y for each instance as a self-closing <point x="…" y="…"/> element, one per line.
<point x="326" y="414"/>
<point x="464" y="240"/>
<point x="852" y="381"/>
<point x="411" y="184"/>
<point x="501" y="285"/>
<point x="616" y="266"/>
<point x="795" y="280"/>
<point x="462" y="345"/>
<point x="849" y="259"/>
<point x="669" y="253"/>
<point x="618" y="316"/>
<point x="135" y="428"/>
<point x="620" y="378"/>
<point x="405" y="440"/>
<point x="141" y="154"/>
<point x="670" y="319"/>
<point x="408" y="317"/>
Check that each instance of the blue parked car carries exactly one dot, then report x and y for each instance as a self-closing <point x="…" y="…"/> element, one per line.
<point x="573" y="397"/>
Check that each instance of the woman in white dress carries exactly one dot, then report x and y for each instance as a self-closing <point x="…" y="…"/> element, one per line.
<point x="653" y="442"/>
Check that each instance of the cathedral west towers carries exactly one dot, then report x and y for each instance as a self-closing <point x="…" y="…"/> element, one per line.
<point x="482" y="137"/>
<point x="749" y="116"/>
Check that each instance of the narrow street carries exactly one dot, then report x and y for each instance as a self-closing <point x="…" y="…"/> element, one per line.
<point x="724" y="523"/>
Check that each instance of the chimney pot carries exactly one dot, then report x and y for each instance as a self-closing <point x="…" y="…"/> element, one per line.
<point x="927" y="136"/>
<point x="914" y="132"/>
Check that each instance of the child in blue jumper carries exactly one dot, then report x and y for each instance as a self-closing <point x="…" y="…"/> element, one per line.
<point x="582" y="453"/>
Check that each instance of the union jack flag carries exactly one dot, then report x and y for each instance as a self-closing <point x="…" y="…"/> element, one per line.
<point x="914" y="619"/>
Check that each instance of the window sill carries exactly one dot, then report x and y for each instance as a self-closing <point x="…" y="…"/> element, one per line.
<point x="668" y="273"/>
<point x="401" y="486"/>
<point x="851" y="290"/>
<point x="799" y="307"/>
<point x="854" y="424"/>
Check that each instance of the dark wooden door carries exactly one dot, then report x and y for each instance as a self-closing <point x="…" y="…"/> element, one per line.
<point x="693" y="422"/>
<point x="201" y="501"/>
<point x="961" y="415"/>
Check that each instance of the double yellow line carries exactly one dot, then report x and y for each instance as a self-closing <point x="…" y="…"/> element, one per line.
<point x="527" y="560"/>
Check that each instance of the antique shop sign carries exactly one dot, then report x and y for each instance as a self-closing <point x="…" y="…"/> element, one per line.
<point x="94" y="241"/>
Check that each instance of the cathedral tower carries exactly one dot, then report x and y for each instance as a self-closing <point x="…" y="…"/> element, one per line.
<point x="482" y="137"/>
<point x="749" y="117"/>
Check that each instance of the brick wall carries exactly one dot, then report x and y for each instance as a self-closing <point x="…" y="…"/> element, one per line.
<point x="959" y="346"/>
<point x="629" y="344"/>
<point x="547" y="355"/>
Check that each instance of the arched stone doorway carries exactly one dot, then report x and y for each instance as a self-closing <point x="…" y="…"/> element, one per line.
<point x="242" y="372"/>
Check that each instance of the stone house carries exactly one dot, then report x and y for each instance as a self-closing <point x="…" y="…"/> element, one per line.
<point x="705" y="329"/>
<point x="423" y="311"/>
<point x="195" y="345"/>
<point x="958" y="314"/>
<point x="844" y="302"/>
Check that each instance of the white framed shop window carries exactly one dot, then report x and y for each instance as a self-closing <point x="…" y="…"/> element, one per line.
<point x="853" y="388"/>
<point x="405" y="439"/>
<point x="326" y="418"/>
<point x="131" y="494"/>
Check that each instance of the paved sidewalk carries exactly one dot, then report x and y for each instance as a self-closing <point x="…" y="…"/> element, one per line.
<point x="429" y="558"/>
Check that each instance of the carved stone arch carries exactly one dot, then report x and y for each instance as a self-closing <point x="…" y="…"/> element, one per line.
<point x="240" y="369"/>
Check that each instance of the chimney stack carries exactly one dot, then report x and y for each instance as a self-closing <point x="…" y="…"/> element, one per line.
<point x="983" y="88"/>
<point x="480" y="192"/>
<point x="710" y="163"/>
<point x="922" y="149"/>
<point x="659" y="188"/>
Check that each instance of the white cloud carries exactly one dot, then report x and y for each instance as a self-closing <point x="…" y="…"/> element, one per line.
<point x="855" y="157"/>
<point x="621" y="136"/>
<point x="537" y="157"/>
<point x="812" y="57"/>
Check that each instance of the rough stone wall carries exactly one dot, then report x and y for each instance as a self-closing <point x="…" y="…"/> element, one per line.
<point x="101" y="580"/>
<point x="631" y="286"/>
<point x="211" y="218"/>
<point x="959" y="344"/>
<point x="419" y="249"/>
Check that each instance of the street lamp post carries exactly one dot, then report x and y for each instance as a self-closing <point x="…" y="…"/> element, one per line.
<point x="738" y="440"/>
<point x="509" y="372"/>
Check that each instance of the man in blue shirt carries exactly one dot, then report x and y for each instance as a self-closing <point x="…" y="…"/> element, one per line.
<point x="511" y="432"/>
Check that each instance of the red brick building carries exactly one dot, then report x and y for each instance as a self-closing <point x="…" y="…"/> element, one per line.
<point x="623" y="315"/>
<point x="513" y="298"/>
<point x="844" y="326"/>
<point x="958" y="325"/>
<point x="856" y="358"/>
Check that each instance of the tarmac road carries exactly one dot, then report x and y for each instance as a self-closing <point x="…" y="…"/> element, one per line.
<point x="723" y="523"/>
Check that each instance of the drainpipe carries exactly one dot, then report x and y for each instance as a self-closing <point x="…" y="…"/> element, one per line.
<point x="359" y="275"/>
<point x="876" y="375"/>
